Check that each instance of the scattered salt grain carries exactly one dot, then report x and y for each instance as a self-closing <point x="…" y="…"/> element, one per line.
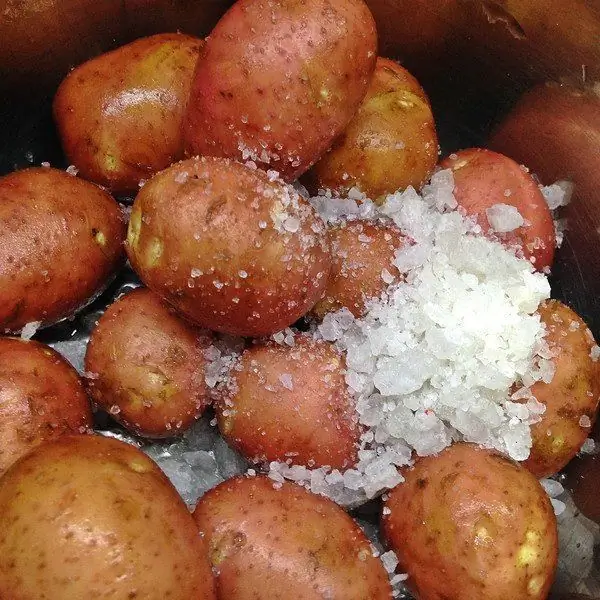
<point x="595" y="353"/>
<point x="558" y="506"/>
<point x="45" y="164"/>
<point x="30" y="329"/>
<point x="182" y="177"/>
<point x="558" y="194"/>
<point x="72" y="170"/>
<point x="286" y="381"/>
<point x="588" y="447"/>
<point x="552" y="487"/>
<point x="504" y="218"/>
<point x="390" y="561"/>
<point x="584" y="421"/>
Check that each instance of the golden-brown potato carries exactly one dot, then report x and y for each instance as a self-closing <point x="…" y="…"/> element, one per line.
<point x="362" y="268"/>
<point x="279" y="81"/>
<point x="60" y="242"/>
<point x="286" y="543"/>
<point x="232" y="248"/>
<point x="390" y="143"/>
<point x="470" y="523"/>
<point x="145" y="366"/>
<point x="41" y="398"/>
<point x="91" y="517"/>
<point x="120" y="115"/>
<point x="291" y="403"/>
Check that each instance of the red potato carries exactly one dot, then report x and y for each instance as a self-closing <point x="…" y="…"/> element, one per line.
<point x="280" y="80"/>
<point x="60" y="243"/>
<point x="483" y="179"/>
<point x="41" y="398"/>
<point x="291" y="403"/>
<point x="470" y="523"/>
<point x="145" y="366"/>
<point x="275" y="544"/>
<point x="233" y="249"/>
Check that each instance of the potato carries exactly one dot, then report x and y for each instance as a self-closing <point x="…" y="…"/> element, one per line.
<point x="390" y="143"/>
<point x="41" y="398"/>
<point x="233" y="249"/>
<point x="120" y="115"/>
<point x="275" y="544"/>
<point x="583" y="481"/>
<point x="470" y="523"/>
<point x="362" y="253"/>
<point x="145" y="366"/>
<point x="91" y="517"/>
<point x="279" y="81"/>
<point x="571" y="398"/>
<point x="291" y="403"/>
<point x="483" y="179"/>
<point x="61" y="243"/>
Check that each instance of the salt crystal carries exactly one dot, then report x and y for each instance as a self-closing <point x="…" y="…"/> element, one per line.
<point x="286" y="381"/>
<point x="558" y="506"/>
<point x="595" y="353"/>
<point x="72" y="170"/>
<point x="553" y="488"/>
<point x="585" y="421"/>
<point x="504" y="218"/>
<point x="30" y="329"/>
<point x="390" y="561"/>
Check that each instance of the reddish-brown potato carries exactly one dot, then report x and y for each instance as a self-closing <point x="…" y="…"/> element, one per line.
<point x="483" y="179"/>
<point x="583" y="481"/>
<point x="41" y="398"/>
<point x="279" y="81"/>
<point x="91" y="517"/>
<point x="291" y="403"/>
<point x="390" y="143"/>
<point x="470" y="523"/>
<point x="60" y="242"/>
<point x="362" y="268"/>
<point x="120" y="115"/>
<point x="233" y="249"/>
<point x="286" y="543"/>
<point x="146" y="366"/>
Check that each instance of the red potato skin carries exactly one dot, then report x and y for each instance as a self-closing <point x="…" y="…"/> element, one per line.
<point x="470" y="523"/>
<point x="41" y="398"/>
<point x="61" y="240"/>
<point x="313" y="423"/>
<point x="286" y="543"/>
<point x="210" y="245"/>
<point x="481" y="178"/>
<point x="145" y="366"/>
<point x="281" y="79"/>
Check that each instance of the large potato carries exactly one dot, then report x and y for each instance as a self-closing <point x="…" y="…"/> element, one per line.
<point x="120" y="115"/>
<point x="90" y="517"/>
<point x="41" y="398"/>
<point x="276" y="544"/>
<point x="279" y="81"/>
<point x="60" y="242"/>
<point x="232" y="248"/>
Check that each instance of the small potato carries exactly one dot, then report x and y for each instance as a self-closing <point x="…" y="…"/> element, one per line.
<point x="362" y="265"/>
<point x="145" y="366"/>
<point x="484" y="179"/>
<point x="390" y="143"/>
<point x="91" y="517"/>
<point x="233" y="249"/>
<point x="571" y="398"/>
<point x="279" y="81"/>
<point x="41" y="398"/>
<point x="120" y="115"/>
<point x="470" y="523"/>
<point x="60" y="243"/>
<point x="276" y="544"/>
<point x="291" y="403"/>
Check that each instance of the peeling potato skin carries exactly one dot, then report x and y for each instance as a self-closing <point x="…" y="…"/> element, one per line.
<point x="41" y="398"/>
<point x="60" y="242"/>
<point x="573" y="393"/>
<point x="209" y="245"/>
<point x="146" y="361"/>
<point x="470" y="523"/>
<point x="314" y="423"/>
<point x="286" y="543"/>
<point x="283" y="76"/>
<point x="90" y="517"/>
<point x="120" y="115"/>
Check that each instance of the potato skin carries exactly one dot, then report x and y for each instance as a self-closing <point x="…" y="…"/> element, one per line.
<point x="286" y="543"/>
<point x="90" y="517"/>
<point x="207" y="236"/>
<point x="145" y="366"/>
<point x="120" y="115"/>
<point x="390" y="143"/>
<point x="470" y="523"/>
<point x="281" y="80"/>
<point x="60" y="242"/>
<point x="41" y="398"/>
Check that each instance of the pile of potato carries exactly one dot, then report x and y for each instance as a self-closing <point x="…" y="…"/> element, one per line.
<point x="208" y="135"/>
